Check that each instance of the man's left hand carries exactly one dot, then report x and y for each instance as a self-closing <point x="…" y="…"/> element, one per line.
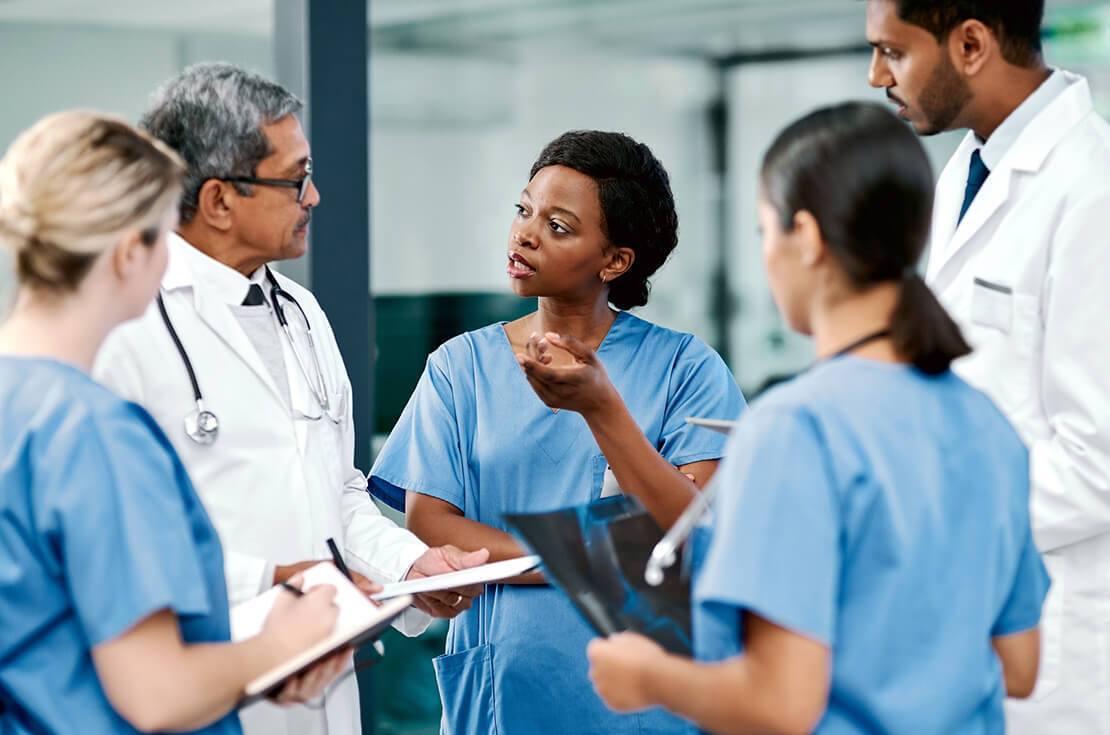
<point x="441" y="560"/>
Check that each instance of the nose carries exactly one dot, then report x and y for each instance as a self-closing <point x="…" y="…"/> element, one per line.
<point x="312" y="196"/>
<point x="878" y="74"/>
<point x="523" y="237"/>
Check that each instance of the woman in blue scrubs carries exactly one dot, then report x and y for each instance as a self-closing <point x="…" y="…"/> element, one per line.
<point x="871" y="566"/>
<point x="594" y="223"/>
<point x="113" y="611"/>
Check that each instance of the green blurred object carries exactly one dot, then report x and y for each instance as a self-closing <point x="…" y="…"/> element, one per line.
<point x="410" y="327"/>
<point x="399" y="693"/>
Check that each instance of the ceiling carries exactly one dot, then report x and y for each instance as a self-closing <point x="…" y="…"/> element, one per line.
<point x="693" y="27"/>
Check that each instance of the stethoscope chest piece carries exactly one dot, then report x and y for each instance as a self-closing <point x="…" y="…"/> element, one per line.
<point x="202" y="426"/>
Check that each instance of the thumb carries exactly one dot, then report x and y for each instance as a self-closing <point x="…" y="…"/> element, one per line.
<point x="472" y="559"/>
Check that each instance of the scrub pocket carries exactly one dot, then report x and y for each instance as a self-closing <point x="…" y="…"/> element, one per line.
<point x="465" y="682"/>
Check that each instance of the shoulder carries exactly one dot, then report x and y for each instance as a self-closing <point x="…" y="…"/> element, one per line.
<point x="70" y="408"/>
<point x="464" y="349"/>
<point x="661" y="340"/>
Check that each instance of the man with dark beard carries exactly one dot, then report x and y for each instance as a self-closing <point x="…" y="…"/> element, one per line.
<point x="1019" y="230"/>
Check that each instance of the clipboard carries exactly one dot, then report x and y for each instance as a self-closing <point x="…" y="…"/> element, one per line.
<point x="360" y="621"/>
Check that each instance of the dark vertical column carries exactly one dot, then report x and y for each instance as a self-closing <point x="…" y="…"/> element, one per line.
<point x="339" y="255"/>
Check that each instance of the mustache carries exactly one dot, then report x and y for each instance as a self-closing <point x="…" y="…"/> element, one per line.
<point x="304" y="221"/>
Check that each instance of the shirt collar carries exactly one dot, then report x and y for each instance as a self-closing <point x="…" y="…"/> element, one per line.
<point x="1003" y="139"/>
<point x="191" y="266"/>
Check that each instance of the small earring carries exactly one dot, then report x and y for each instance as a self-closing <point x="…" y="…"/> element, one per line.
<point x="602" y="277"/>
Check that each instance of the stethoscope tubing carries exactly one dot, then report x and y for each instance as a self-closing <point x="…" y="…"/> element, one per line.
<point x="319" y="389"/>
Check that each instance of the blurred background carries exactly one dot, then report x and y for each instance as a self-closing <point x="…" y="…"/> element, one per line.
<point x="462" y="95"/>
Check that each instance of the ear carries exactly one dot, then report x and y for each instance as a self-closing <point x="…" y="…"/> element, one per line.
<point x="215" y="203"/>
<point x="808" y="239"/>
<point x="620" y="260"/>
<point x="971" y="45"/>
<point x="129" y="255"/>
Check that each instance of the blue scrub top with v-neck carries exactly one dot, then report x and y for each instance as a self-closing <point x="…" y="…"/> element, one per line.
<point x="475" y="435"/>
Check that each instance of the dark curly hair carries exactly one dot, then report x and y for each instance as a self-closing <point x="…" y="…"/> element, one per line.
<point x="637" y="206"/>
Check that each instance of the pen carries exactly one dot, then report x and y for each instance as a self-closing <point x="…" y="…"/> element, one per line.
<point x="290" y="588"/>
<point x="337" y="559"/>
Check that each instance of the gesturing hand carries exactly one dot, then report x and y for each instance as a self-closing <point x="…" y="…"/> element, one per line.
<point x="582" y="386"/>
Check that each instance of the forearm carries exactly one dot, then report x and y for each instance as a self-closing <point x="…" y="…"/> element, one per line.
<point x="720" y="698"/>
<point x="183" y="687"/>
<point x="726" y="698"/>
<point x="639" y="468"/>
<point x="440" y="529"/>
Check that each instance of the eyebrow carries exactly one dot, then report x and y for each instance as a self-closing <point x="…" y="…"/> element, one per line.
<point x="555" y="210"/>
<point x="296" y="167"/>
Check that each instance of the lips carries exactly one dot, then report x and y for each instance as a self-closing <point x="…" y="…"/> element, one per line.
<point x="303" y="224"/>
<point x="519" y="267"/>
<point x="902" y="108"/>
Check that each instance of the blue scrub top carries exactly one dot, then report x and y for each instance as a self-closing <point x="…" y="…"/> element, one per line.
<point x="885" y="514"/>
<point x="99" y="528"/>
<point x="475" y="435"/>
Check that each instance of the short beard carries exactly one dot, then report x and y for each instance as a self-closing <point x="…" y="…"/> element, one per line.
<point x="945" y="97"/>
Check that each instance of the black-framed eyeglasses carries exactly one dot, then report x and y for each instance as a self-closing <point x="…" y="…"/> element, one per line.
<point x="301" y="185"/>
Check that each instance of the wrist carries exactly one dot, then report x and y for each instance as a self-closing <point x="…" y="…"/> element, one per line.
<point x="653" y="681"/>
<point x="607" y="405"/>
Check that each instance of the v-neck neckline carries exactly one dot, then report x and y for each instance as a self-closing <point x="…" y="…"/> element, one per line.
<point x="512" y="354"/>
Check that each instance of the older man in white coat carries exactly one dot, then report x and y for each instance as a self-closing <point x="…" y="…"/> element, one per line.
<point x="240" y="368"/>
<point x="1020" y="231"/>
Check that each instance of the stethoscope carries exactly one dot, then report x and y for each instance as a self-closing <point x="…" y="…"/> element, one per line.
<point x="665" y="553"/>
<point x="202" y="425"/>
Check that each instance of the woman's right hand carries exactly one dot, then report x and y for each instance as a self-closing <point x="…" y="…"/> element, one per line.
<point x="296" y="623"/>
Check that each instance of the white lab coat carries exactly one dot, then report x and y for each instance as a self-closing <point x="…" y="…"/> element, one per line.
<point x="275" y="487"/>
<point x="1021" y="276"/>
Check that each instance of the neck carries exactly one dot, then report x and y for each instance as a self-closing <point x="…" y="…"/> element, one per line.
<point x="839" y="324"/>
<point x="588" y="320"/>
<point x="218" y="246"/>
<point x="67" y="328"/>
<point x="997" y="101"/>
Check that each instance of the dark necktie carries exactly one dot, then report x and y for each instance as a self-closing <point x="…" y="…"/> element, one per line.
<point x="977" y="174"/>
<point x="255" y="297"/>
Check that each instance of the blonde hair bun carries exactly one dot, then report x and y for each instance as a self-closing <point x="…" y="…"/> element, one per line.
<point x="72" y="185"/>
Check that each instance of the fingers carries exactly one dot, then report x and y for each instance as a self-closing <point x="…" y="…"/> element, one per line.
<point x="538" y="348"/>
<point x="571" y="344"/>
<point x="311" y="683"/>
<point x="366" y="586"/>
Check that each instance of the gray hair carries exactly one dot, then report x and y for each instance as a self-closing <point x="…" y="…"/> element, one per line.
<point x="212" y="114"/>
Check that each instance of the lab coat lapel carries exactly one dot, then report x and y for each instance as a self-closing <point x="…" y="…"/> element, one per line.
<point x="1026" y="157"/>
<point x="215" y="314"/>
<point x="992" y="197"/>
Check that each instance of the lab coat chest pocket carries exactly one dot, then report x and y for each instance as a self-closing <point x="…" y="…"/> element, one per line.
<point x="1000" y="308"/>
<point x="992" y="305"/>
